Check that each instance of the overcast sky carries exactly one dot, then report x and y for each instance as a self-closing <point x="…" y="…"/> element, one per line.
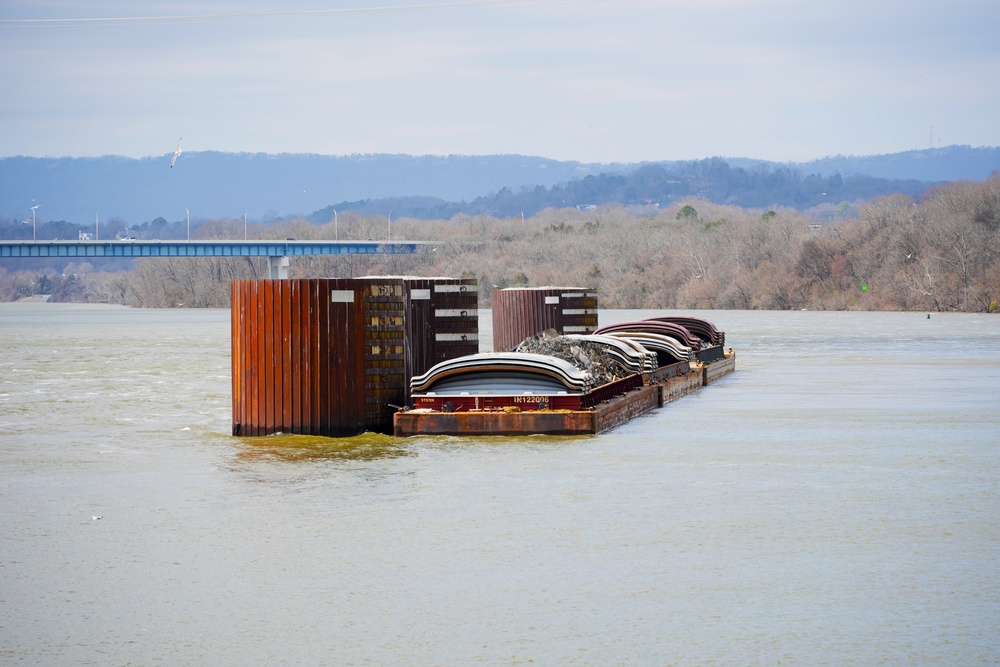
<point x="594" y="81"/>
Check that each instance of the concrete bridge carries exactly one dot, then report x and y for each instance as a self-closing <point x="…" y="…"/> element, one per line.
<point x="277" y="252"/>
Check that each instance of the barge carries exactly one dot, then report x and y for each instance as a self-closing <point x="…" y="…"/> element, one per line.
<point x="525" y="393"/>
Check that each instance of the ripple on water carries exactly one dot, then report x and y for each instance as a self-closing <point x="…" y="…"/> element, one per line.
<point x="836" y="497"/>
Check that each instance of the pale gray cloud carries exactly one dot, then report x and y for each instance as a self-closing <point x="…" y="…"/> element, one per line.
<point x="595" y="81"/>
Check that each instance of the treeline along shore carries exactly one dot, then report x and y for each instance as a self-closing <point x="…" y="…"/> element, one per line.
<point x="938" y="253"/>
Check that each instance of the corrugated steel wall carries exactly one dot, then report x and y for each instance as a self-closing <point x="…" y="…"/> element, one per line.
<point x="331" y="356"/>
<point x="442" y="322"/>
<point x="295" y="349"/>
<point x="522" y="312"/>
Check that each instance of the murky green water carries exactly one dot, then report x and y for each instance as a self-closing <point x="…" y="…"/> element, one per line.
<point x="834" y="502"/>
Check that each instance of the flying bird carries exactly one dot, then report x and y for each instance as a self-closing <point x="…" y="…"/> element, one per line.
<point x="177" y="152"/>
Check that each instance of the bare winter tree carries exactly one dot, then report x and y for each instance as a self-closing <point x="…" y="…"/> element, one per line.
<point x="937" y="254"/>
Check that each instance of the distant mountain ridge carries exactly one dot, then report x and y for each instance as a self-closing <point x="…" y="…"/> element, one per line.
<point x="212" y="184"/>
<point x="932" y="165"/>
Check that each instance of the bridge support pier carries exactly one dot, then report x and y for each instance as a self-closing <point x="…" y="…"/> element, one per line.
<point x="277" y="268"/>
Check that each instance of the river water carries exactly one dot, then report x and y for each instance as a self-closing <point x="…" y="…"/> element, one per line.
<point x="834" y="502"/>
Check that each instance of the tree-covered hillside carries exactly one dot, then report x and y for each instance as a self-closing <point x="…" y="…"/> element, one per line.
<point x="714" y="179"/>
<point x="888" y="253"/>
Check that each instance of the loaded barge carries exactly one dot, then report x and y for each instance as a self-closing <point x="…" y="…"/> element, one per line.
<point x="575" y="384"/>
<point x="601" y="409"/>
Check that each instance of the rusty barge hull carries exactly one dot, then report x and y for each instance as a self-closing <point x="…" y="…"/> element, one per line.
<point x="602" y="417"/>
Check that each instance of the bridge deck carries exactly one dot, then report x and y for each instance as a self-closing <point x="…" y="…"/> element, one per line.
<point x="202" y="248"/>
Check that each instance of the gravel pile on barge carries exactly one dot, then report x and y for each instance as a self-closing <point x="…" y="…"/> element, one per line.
<point x="588" y="353"/>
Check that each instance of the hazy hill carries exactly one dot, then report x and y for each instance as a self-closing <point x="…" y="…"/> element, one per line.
<point x="213" y="184"/>
<point x="949" y="163"/>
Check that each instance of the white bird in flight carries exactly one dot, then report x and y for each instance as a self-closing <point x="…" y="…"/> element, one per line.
<point x="177" y="152"/>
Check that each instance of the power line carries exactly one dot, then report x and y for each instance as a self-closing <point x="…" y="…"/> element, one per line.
<point x="243" y="17"/>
